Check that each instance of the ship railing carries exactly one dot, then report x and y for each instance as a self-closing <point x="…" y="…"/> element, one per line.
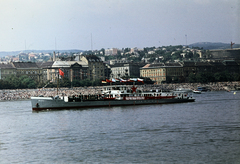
<point x="183" y="95"/>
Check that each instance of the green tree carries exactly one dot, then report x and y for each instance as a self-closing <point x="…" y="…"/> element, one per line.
<point x="65" y="82"/>
<point x="195" y="57"/>
<point x="109" y="58"/>
<point x="236" y="77"/>
<point x="76" y="83"/>
<point x="85" y="82"/>
<point x="189" y="55"/>
<point x="167" y="56"/>
<point x="177" y="55"/>
<point x="13" y="82"/>
<point x="103" y="50"/>
<point x="97" y="82"/>
<point x="27" y="82"/>
<point x="223" y="76"/>
<point x="4" y="84"/>
<point x="192" y="78"/>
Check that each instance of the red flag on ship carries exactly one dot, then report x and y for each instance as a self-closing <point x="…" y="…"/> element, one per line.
<point x="61" y="72"/>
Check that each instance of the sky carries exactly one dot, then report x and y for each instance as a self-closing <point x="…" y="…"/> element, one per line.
<point x="96" y="24"/>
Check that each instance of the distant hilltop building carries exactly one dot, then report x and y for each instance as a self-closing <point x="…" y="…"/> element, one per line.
<point x="134" y="50"/>
<point x="112" y="51"/>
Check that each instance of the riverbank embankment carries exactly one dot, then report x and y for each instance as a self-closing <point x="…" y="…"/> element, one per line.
<point x="26" y="94"/>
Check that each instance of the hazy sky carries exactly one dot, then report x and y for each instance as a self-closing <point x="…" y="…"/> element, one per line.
<point x="68" y="24"/>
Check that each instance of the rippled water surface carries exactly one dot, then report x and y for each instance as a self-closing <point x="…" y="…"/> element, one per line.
<point x="206" y="131"/>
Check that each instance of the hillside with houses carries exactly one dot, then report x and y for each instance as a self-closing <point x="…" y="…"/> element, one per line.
<point x="166" y="64"/>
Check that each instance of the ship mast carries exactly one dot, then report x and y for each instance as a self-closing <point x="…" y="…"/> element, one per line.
<point x="57" y="81"/>
<point x="232" y="44"/>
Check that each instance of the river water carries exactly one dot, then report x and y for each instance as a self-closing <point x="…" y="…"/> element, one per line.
<point x="205" y="131"/>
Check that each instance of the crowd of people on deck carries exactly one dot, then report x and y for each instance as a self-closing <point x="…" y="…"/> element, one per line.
<point x="26" y="94"/>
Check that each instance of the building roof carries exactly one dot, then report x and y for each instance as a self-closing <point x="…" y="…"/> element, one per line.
<point x="61" y="64"/>
<point x="189" y="64"/>
<point x="230" y="62"/>
<point x="45" y="64"/>
<point x="172" y="64"/>
<point x="82" y="63"/>
<point x="157" y="65"/>
<point x="25" y="65"/>
<point x="146" y="66"/>
<point x="153" y="65"/>
<point x="117" y="65"/>
<point x="163" y="65"/>
<point x="216" y="64"/>
<point x="196" y="64"/>
<point x="202" y="64"/>
<point x="6" y="66"/>
<point x="126" y="65"/>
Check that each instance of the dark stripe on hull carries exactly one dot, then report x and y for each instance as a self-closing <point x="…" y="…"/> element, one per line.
<point x="110" y="104"/>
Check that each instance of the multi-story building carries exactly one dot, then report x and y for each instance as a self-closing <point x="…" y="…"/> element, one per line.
<point x="6" y="70"/>
<point x="107" y="71"/>
<point x="213" y="67"/>
<point x="197" y="67"/>
<point x="217" y="66"/>
<point x="29" y="69"/>
<point x="203" y="67"/>
<point x="73" y="70"/>
<point x="162" y="72"/>
<point x="174" y="72"/>
<point x="96" y="67"/>
<point x="188" y="68"/>
<point x="156" y="72"/>
<point x="119" y="70"/>
<point x="232" y="66"/>
<point x="125" y="70"/>
<point x="226" y="54"/>
<point x="46" y="69"/>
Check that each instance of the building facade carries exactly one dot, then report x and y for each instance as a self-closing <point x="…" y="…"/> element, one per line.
<point x="174" y="72"/>
<point x="226" y="54"/>
<point x="73" y="70"/>
<point x="156" y="72"/>
<point x="96" y="67"/>
<point x="29" y="69"/>
<point x="162" y="72"/>
<point x="112" y="51"/>
<point x="120" y="70"/>
<point x="46" y="68"/>
<point x="6" y="70"/>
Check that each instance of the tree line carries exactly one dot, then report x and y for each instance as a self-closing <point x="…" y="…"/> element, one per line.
<point x="14" y="82"/>
<point x="205" y="77"/>
<point x="23" y="82"/>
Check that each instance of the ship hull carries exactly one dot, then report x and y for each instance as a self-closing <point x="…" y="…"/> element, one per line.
<point x="48" y="103"/>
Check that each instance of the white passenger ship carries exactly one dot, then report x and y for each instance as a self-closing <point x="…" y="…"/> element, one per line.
<point x="119" y="95"/>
